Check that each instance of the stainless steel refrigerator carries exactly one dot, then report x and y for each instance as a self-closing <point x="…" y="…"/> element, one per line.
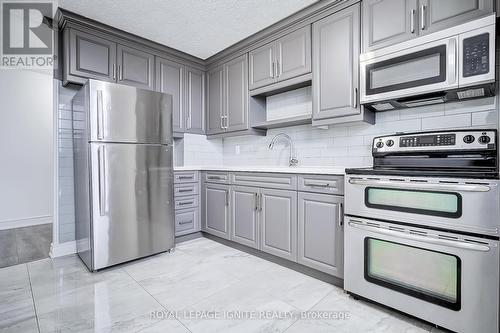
<point x="124" y="207"/>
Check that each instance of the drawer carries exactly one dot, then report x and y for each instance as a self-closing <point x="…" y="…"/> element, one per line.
<point x="218" y="177"/>
<point x="186" y="202"/>
<point x="185" y="177"/>
<point x="266" y="180"/>
<point x="181" y="190"/>
<point x="186" y="221"/>
<point x="322" y="184"/>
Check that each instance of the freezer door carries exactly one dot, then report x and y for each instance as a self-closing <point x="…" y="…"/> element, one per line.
<point x="132" y="201"/>
<point x="119" y="113"/>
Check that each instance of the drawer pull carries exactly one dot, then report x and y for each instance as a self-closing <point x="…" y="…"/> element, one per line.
<point x="186" y="222"/>
<point x="185" y="177"/>
<point x="317" y="185"/>
<point x="183" y="203"/>
<point x="184" y="190"/>
<point x="214" y="177"/>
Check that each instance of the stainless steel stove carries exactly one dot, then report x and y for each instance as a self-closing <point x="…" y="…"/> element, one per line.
<point x="422" y="227"/>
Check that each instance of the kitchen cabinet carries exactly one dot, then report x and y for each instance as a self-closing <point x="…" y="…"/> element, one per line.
<point x="135" y="67"/>
<point x="244" y="215"/>
<point x="170" y="80"/>
<point x="195" y="101"/>
<point x="236" y="94"/>
<point x="215" y="209"/>
<point x="215" y="103"/>
<point x="186" y="200"/>
<point x="387" y="22"/>
<point x="320" y="230"/>
<point x="336" y="47"/>
<point x="90" y="56"/>
<point x="186" y="221"/>
<point x="279" y="223"/>
<point x="285" y="58"/>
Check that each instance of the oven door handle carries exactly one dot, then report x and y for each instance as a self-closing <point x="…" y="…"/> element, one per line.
<point x="437" y="241"/>
<point x="422" y="186"/>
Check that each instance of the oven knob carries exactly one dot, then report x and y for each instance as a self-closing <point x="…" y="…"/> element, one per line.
<point x="389" y="143"/>
<point x="484" y="139"/>
<point x="379" y="144"/>
<point x="469" y="138"/>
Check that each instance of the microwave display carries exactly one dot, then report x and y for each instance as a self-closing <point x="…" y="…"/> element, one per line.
<point x="476" y="52"/>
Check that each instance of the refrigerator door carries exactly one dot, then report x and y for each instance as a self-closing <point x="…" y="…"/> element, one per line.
<point x="132" y="201"/>
<point x="119" y="113"/>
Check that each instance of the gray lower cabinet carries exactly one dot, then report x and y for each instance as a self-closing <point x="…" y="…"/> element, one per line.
<point x="135" y="67"/>
<point x="215" y="209"/>
<point x="170" y="80"/>
<point x="186" y="221"/>
<point x="320" y="232"/>
<point x="245" y="215"/>
<point x="215" y="100"/>
<point x="187" y="208"/>
<point x="236" y="94"/>
<point x="336" y="47"/>
<point x="195" y="101"/>
<point x="279" y="223"/>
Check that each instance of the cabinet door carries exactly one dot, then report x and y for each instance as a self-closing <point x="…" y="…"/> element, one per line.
<point x="440" y="14"/>
<point x="278" y="218"/>
<point x="135" y="67"/>
<point x="91" y="56"/>
<point x="336" y="43"/>
<point x="170" y="80"/>
<point x="195" y="101"/>
<point x="236" y="94"/>
<point x="294" y="54"/>
<point x="262" y="62"/>
<point x="244" y="215"/>
<point x="186" y="221"/>
<point x="387" y="22"/>
<point x="320" y="240"/>
<point x="215" y="100"/>
<point x="215" y="206"/>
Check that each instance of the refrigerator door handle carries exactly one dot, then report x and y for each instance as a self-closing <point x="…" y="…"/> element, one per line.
<point x="100" y="119"/>
<point x="101" y="166"/>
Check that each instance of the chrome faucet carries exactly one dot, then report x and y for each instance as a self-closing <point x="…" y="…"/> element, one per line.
<point x="293" y="160"/>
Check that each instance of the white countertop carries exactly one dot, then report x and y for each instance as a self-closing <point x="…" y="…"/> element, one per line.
<point x="270" y="169"/>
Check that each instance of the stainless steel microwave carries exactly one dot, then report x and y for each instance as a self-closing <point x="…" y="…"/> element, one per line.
<point x="449" y="65"/>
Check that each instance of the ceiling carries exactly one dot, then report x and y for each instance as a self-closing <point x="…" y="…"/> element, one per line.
<point x="198" y="27"/>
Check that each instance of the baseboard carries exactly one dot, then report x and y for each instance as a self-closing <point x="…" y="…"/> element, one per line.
<point x="63" y="249"/>
<point x="13" y="224"/>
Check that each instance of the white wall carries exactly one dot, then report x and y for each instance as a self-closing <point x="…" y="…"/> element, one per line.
<point x="26" y="148"/>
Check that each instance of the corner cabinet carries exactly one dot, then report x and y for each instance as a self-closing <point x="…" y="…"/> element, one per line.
<point x="336" y="48"/>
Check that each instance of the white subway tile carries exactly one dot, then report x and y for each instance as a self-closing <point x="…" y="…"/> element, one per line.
<point x="451" y="121"/>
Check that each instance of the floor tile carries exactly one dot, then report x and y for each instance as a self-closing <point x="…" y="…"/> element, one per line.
<point x="8" y="248"/>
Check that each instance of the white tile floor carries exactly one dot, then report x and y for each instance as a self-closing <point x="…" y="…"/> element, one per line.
<point x="201" y="278"/>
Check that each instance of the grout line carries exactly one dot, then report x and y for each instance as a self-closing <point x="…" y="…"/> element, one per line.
<point x="33" y="298"/>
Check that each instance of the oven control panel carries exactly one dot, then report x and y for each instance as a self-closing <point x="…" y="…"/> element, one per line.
<point x="436" y="141"/>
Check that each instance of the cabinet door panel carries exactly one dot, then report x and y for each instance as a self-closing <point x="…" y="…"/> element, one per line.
<point x="215" y="100"/>
<point x="91" y="56"/>
<point x="279" y="223"/>
<point x="186" y="221"/>
<point x="170" y="80"/>
<point x="262" y="71"/>
<point x="236" y="94"/>
<point x="387" y="22"/>
<point x="294" y="54"/>
<point x="244" y="216"/>
<point x="320" y="240"/>
<point x="215" y="205"/>
<point x="195" y="101"/>
<point x="336" y="44"/>
<point x="135" y="67"/>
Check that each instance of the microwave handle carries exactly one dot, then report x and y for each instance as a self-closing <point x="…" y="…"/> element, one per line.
<point x="452" y="61"/>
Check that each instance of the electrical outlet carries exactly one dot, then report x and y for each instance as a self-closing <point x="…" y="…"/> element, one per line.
<point x="237" y="150"/>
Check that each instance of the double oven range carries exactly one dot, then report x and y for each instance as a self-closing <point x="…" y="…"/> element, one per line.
<point x="422" y="228"/>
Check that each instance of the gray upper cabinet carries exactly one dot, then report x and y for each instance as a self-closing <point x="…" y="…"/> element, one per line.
<point x="170" y="80"/>
<point x="195" y="101"/>
<point x="320" y="232"/>
<point x="440" y="14"/>
<point x="236" y="94"/>
<point x="279" y="223"/>
<point x="215" y="209"/>
<point x="135" y="68"/>
<point x="244" y="215"/>
<point x="387" y="22"/>
<point x="215" y="100"/>
<point x="285" y="58"/>
<point x="336" y="47"/>
<point x="90" y="56"/>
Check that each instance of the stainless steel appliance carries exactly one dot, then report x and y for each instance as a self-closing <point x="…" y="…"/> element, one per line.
<point x="449" y="65"/>
<point x="422" y="228"/>
<point x="123" y="172"/>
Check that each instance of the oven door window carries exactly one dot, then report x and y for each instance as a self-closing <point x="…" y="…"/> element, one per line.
<point x="425" y="274"/>
<point x="443" y="204"/>
<point x="416" y="69"/>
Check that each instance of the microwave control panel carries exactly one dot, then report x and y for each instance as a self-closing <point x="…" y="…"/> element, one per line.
<point x="476" y="52"/>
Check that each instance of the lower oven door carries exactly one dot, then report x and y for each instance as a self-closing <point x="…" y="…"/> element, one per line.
<point x="447" y="279"/>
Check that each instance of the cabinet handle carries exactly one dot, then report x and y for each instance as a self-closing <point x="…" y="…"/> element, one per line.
<point x="355" y="101"/>
<point x="317" y="185"/>
<point x="274" y="69"/>
<point x="188" y="121"/>
<point x="341" y="215"/>
<point x="185" y="177"/>
<point x="114" y="71"/>
<point x="412" y="21"/>
<point x="183" y="203"/>
<point x="278" y="69"/>
<point x="120" y="73"/>
<point x="214" y="177"/>
<point x="227" y="122"/>
<point x="260" y="202"/>
<point x="184" y="191"/>
<point x="186" y="222"/>
<point x="227" y="198"/>
<point x="422" y="17"/>
<point x="222" y="122"/>
<point x="256" y="197"/>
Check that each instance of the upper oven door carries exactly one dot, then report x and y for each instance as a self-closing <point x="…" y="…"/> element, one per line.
<point x="413" y="71"/>
<point x="468" y="206"/>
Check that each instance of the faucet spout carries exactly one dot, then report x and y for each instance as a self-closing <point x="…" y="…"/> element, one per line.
<point x="293" y="161"/>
